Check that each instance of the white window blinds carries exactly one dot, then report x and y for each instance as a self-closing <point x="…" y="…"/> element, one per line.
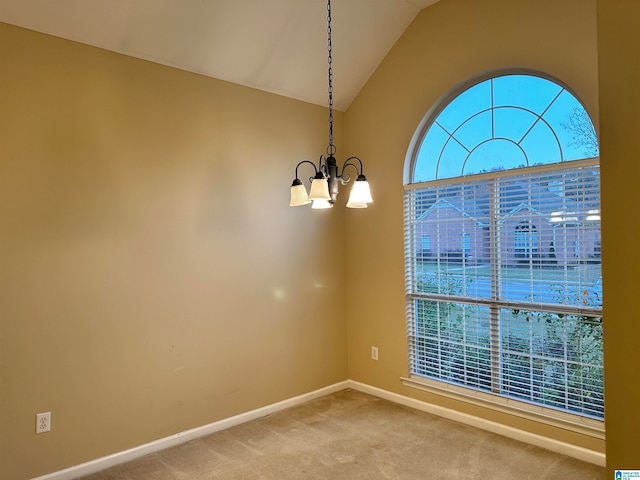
<point x="503" y="285"/>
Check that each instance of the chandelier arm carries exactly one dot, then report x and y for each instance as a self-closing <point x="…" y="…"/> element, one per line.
<point x="322" y="166"/>
<point x="345" y="177"/>
<point x="310" y="163"/>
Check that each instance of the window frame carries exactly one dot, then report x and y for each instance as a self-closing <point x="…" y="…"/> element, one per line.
<point x="570" y="421"/>
<point x="411" y="157"/>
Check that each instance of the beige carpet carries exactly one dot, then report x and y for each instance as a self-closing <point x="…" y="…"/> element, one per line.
<point x="351" y="435"/>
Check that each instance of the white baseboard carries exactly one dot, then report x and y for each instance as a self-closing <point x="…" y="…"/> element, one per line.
<point x="574" y="451"/>
<point x="182" y="437"/>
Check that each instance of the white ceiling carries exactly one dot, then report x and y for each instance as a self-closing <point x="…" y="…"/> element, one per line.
<point x="279" y="46"/>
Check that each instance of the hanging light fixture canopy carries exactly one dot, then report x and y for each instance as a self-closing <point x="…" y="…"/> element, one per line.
<point x="327" y="178"/>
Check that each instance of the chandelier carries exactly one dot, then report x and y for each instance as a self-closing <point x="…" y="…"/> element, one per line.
<point x="327" y="178"/>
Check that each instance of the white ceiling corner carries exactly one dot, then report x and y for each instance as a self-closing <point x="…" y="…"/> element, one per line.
<point x="279" y="46"/>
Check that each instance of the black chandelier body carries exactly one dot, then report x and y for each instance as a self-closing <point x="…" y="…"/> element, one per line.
<point x="325" y="183"/>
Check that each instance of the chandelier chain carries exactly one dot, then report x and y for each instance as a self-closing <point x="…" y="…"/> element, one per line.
<point x="331" y="149"/>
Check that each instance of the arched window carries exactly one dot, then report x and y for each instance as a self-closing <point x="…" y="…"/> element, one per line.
<point x="502" y="249"/>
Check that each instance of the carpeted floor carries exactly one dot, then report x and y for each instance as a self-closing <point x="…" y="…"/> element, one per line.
<point x="351" y="435"/>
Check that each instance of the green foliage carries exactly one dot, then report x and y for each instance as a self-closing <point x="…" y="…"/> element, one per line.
<point x="565" y="359"/>
<point x="448" y="336"/>
<point x="547" y="358"/>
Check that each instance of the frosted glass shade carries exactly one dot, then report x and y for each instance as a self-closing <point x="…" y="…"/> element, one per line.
<point x="298" y="195"/>
<point x="356" y="205"/>
<point x="360" y="193"/>
<point x="322" y="203"/>
<point x="319" y="189"/>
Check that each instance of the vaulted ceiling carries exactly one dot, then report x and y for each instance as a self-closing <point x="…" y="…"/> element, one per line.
<point x="279" y="46"/>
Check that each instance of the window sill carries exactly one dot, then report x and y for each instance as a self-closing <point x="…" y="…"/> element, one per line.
<point x="575" y="423"/>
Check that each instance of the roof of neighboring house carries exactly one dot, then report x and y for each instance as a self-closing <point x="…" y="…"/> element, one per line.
<point x="523" y="206"/>
<point x="517" y="194"/>
<point x="441" y="203"/>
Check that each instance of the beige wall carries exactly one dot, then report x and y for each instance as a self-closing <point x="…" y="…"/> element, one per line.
<point x="134" y="285"/>
<point x="448" y="43"/>
<point x="152" y="276"/>
<point x="618" y="43"/>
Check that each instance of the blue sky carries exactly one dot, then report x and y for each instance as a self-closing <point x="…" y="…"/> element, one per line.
<point x="506" y="122"/>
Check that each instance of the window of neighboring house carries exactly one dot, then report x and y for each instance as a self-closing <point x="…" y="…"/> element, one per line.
<point x="426" y="243"/>
<point x="597" y="248"/>
<point x="506" y="172"/>
<point x="466" y="244"/>
<point x="525" y="240"/>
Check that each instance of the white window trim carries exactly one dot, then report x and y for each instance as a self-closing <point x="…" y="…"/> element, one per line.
<point x="586" y="162"/>
<point x="566" y="421"/>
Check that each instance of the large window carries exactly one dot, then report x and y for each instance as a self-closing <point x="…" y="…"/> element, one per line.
<point x="502" y="249"/>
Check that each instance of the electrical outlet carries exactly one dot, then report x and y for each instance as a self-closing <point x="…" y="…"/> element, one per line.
<point x="374" y="353"/>
<point x="43" y="422"/>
